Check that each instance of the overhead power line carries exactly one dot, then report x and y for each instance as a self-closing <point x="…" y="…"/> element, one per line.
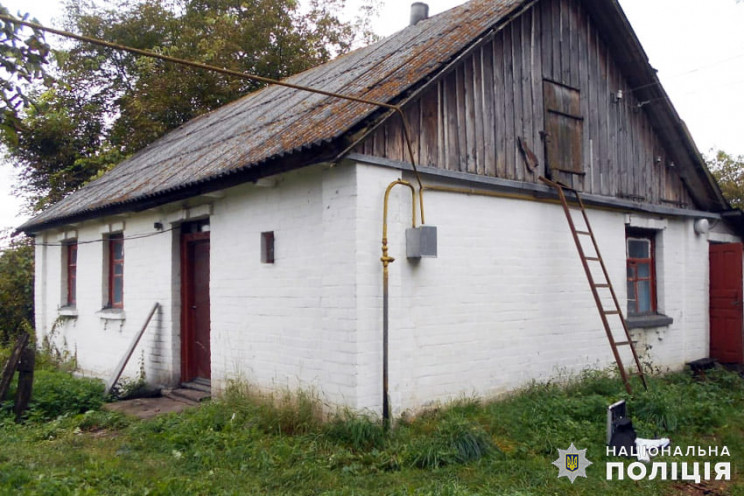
<point x="199" y="65"/>
<point x="691" y="71"/>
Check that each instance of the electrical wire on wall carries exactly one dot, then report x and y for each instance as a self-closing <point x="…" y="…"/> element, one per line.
<point x="101" y="240"/>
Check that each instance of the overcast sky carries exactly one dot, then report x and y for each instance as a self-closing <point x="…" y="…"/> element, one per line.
<point x="697" y="47"/>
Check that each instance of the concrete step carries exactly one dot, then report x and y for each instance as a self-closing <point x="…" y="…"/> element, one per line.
<point x="186" y="395"/>
<point x="199" y="384"/>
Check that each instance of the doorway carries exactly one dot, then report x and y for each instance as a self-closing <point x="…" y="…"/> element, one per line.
<point x="726" y="332"/>
<point x="195" y="318"/>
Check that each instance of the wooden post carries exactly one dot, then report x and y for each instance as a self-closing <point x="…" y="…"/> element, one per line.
<point x="25" y="381"/>
<point x="10" y="366"/>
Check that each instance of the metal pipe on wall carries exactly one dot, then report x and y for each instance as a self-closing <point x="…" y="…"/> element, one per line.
<point x="386" y="261"/>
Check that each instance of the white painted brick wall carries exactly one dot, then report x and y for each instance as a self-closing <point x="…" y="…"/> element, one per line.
<point x="99" y="343"/>
<point x="506" y="301"/>
<point x="292" y="323"/>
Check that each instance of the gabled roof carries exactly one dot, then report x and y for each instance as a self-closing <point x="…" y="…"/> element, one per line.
<point x="277" y="122"/>
<point x="278" y="128"/>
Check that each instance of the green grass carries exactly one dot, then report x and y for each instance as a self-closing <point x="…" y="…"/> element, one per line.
<point x="246" y="443"/>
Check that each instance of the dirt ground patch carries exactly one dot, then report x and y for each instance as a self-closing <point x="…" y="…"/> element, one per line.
<point x="146" y="408"/>
<point x="707" y="488"/>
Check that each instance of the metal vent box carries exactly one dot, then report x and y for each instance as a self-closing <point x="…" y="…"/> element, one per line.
<point x="421" y="242"/>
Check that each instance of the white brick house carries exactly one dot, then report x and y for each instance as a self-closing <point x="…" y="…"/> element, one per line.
<point x="257" y="227"/>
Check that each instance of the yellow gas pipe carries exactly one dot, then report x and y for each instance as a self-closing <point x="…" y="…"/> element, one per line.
<point x="386" y="261"/>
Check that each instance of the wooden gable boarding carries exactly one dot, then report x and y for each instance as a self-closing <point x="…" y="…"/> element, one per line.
<point x="549" y="79"/>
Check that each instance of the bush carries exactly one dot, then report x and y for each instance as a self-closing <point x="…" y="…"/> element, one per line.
<point x="455" y="440"/>
<point x="356" y="431"/>
<point x="16" y="287"/>
<point x="58" y="393"/>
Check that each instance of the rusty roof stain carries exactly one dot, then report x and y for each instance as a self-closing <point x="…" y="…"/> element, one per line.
<point x="277" y="121"/>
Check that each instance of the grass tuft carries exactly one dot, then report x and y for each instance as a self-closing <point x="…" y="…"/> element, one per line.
<point x="454" y="440"/>
<point x="358" y="432"/>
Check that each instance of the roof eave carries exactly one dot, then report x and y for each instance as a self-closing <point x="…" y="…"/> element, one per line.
<point x="246" y="174"/>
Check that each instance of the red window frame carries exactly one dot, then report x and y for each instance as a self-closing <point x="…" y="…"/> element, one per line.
<point x="115" y="240"/>
<point x="71" y="273"/>
<point x="635" y="280"/>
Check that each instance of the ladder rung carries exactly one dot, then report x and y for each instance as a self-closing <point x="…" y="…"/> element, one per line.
<point x="622" y="343"/>
<point x="601" y="285"/>
<point x="585" y="233"/>
<point x="592" y="259"/>
<point x="611" y="312"/>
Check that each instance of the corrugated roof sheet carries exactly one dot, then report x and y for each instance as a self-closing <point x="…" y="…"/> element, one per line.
<point x="278" y="120"/>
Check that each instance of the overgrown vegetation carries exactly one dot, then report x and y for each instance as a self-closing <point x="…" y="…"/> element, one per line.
<point x="56" y="391"/>
<point x="248" y="443"/>
<point x="729" y="173"/>
<point x="16" y="286"/>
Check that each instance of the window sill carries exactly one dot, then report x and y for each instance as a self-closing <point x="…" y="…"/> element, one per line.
<point x="67" y="312"/>
<point x="648" y="321"/>
<point x="111" y="314"/>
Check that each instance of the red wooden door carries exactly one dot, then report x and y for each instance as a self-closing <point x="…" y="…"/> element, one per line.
<point x="195" y="320"/>
<point x="726" y="333"/>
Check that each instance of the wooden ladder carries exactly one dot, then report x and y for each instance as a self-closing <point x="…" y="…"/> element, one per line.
<point x="596" y="286"/>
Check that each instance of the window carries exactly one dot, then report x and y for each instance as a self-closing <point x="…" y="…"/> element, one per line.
<point x="71" y="257"/>
<point x="267" y="247"/>
<point x="564" y="127"/>
<point x="116" y="271"/>
<point x="641" y="273"/>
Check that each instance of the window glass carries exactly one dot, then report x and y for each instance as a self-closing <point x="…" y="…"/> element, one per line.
<point x="639" y="248"/>
<point x="644" y="296"/>
<point x="644" y="270"/>
<point x="71" y="274"/>
<point x="116" y="271"/>
<point x="631" y="292"/>
<point x="117" y="293"/>
<point x="118" y="248"/>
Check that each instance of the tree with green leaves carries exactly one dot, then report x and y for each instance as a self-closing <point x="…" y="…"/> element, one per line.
<point x="729" y="173"/>
<point x="106" y="104"/>
<point x="23" y="56"/>
<point x="16" y="287"/>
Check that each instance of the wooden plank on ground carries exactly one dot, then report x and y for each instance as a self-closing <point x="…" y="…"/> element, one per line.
<point x="123" y="363"/>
